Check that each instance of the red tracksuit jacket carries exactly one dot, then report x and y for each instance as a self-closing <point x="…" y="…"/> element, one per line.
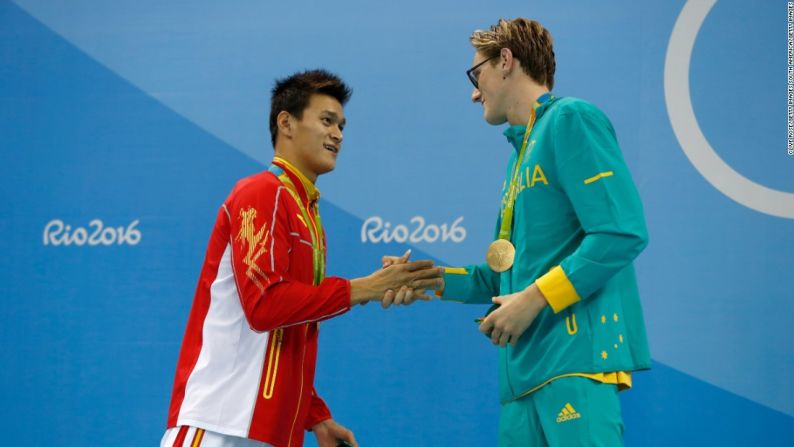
<point x="247" y="362"/>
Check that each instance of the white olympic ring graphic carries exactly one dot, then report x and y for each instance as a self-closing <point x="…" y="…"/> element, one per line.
<point x="685" y="126"/>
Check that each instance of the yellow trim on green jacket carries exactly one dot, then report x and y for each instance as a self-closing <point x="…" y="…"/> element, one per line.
<point x="598" y="176"/>
<point x="620" y="378"/>
<point x="452" y="271"/>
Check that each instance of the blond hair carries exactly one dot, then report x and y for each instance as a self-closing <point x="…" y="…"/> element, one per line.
<point x="529" y="42"/>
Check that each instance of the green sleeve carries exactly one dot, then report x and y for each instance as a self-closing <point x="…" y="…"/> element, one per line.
<point x="595" y="178"/>
<point x="473" y="284"/>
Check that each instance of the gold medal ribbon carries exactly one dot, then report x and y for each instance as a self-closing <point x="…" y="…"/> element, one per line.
<point x="506" y="229"/>
<point x="501" y="252"/>
<point x="315" y="230"/>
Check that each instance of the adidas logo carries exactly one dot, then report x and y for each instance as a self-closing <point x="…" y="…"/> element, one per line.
<point x="567" y="414"/>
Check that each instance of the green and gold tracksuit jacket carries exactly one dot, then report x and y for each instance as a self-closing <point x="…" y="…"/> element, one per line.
<point x="578" y="225"/>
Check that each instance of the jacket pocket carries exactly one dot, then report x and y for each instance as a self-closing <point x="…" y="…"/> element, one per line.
<point x="273" y="354"/>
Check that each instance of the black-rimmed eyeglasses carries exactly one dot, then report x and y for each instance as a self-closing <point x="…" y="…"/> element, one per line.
<point x="474" y="74"/>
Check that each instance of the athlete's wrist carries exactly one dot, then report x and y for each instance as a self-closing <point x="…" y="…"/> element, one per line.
<point x="361" y="290"/>
<point x="535" y="297"/>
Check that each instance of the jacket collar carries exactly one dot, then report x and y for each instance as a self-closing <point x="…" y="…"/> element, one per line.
<point x="515" y="134"/>
<point x="305" y="188"/>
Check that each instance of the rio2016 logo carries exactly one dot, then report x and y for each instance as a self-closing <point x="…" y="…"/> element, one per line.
<point x="375" y="230"/>
<point x="57" y="233"/>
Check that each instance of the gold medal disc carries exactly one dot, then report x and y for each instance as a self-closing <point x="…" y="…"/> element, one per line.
<point x="500" y="256"/>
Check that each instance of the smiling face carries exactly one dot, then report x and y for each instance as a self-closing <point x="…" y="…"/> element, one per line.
<point x="491" y="92"/>
<point x="317" y="136"/>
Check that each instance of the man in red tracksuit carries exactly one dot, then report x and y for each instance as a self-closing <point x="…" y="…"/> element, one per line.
<point x="245" y="375"/>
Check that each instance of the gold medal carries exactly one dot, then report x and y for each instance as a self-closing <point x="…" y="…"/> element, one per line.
<point x="500" y="255"/>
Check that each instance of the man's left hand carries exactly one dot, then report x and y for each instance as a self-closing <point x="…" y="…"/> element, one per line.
<point x="329" y="433"/>
<point x="515" y="314"/>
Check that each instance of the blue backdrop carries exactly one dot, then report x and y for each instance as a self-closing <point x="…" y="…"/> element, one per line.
<point x="123" y="126"/>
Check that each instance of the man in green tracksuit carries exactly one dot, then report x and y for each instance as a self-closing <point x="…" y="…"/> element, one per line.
<point x="568" y="320"/>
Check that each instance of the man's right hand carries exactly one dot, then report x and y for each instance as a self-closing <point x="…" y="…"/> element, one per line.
<point x="413" y="275"/>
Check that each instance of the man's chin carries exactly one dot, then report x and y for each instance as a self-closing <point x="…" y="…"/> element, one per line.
<point x="494" y="120"/>
<point x="326" y="167"/>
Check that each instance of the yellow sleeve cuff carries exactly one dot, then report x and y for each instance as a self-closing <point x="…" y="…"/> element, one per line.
<point x="557" y="289"/>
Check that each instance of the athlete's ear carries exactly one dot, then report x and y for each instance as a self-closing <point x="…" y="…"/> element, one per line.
<point x="506" y="61"/>
<point x="286" y="123"/>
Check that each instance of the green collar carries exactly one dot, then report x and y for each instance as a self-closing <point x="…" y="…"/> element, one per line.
<point x="515" y="134"/>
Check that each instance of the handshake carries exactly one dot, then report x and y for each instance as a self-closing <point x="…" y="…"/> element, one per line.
<point x="399" y="281"/>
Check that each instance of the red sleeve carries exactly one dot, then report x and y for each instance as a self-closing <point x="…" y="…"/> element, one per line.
<point x="259" y="233"/>
<point x="318" y="411"/>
